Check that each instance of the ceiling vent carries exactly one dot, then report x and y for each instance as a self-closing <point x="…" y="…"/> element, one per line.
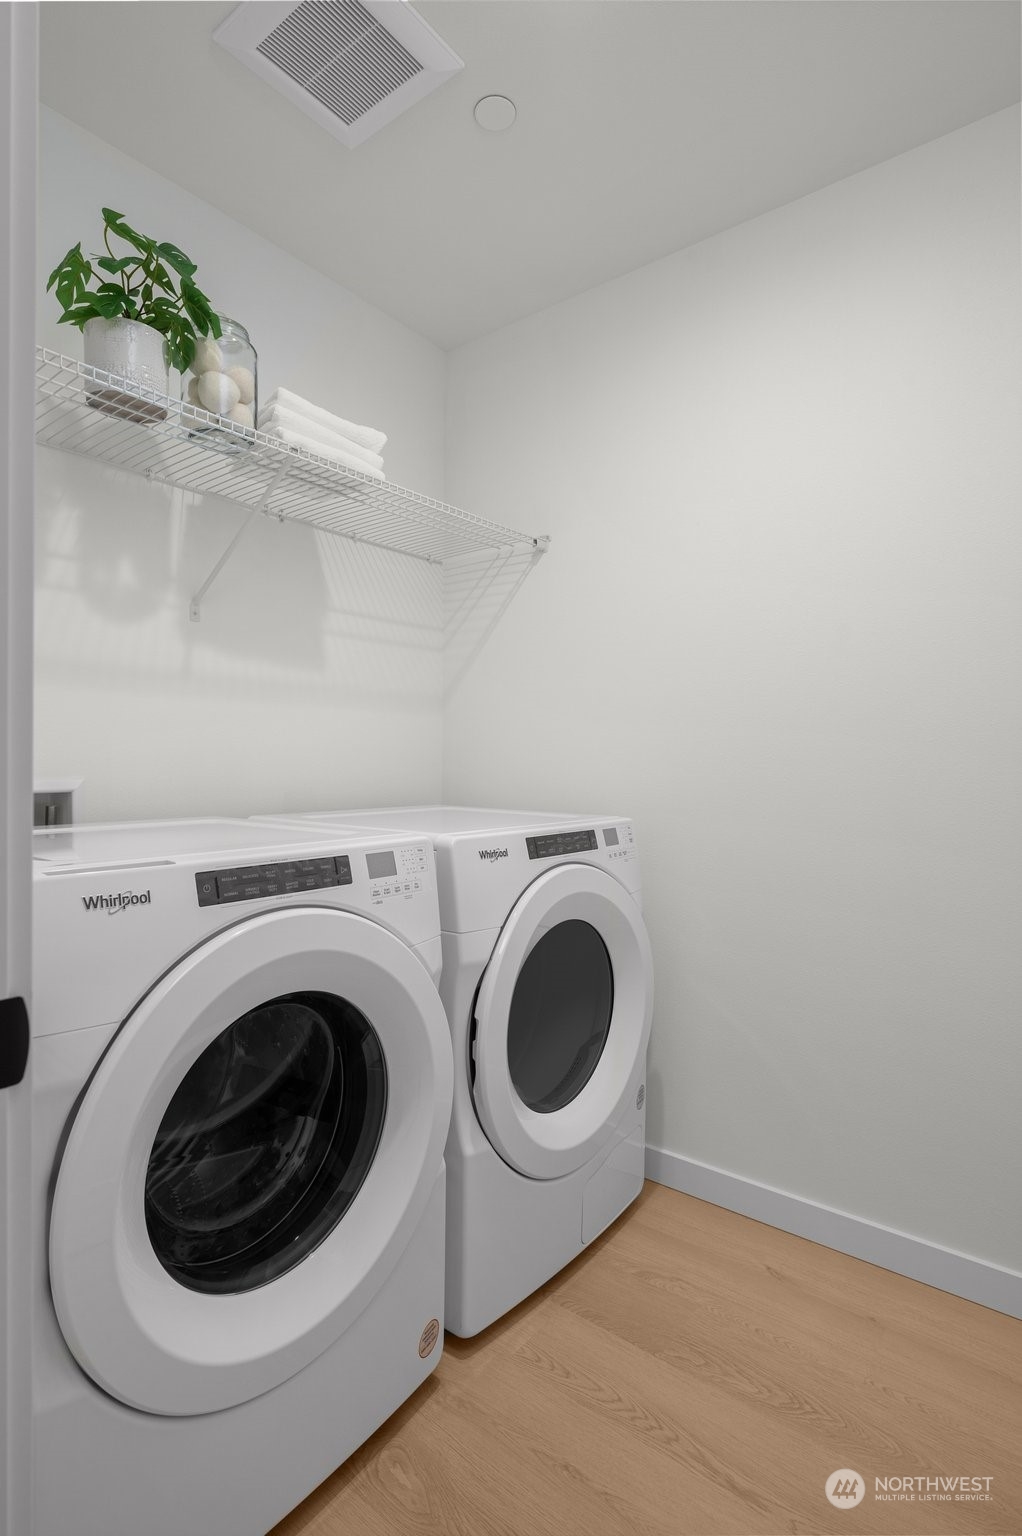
<point x="352" y="65"/>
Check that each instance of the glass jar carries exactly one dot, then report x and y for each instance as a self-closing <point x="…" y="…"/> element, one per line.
<point x="223" y="379"/>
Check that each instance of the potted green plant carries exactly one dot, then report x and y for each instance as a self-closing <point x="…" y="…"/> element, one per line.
<point x="142" y="314"/>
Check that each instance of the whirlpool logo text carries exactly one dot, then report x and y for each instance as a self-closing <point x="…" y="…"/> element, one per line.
<point x="119" y="903"/>
<point x="492" y="853"/>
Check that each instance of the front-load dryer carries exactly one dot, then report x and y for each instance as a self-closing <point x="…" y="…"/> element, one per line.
<point x="242" y="1089"/>
<point x="548" y="985"/>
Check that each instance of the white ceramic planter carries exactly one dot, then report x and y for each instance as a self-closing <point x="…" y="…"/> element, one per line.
<point x="132" y="352"/>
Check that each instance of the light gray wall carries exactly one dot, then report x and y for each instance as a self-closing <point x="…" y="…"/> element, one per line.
<point x="314" y="678"/>
<point x="780" y="626"/>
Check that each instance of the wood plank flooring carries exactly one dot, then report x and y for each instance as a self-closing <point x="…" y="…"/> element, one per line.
<point x="695" y="1373"/>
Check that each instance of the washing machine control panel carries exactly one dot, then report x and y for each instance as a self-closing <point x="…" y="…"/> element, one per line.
<point x="396" y="873"/>
<point x="250" y="882"/>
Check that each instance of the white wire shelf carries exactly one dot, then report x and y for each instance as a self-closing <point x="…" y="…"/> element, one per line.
<point x="80" y="409"/>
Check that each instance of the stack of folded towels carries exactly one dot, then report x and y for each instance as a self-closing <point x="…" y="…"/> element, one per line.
<point x="292" y="420"/>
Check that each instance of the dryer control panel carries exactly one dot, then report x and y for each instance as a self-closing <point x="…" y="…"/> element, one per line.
<point x="249" y="882"/>
<point x="559" y="845"/>
<point x="613" y="842"/>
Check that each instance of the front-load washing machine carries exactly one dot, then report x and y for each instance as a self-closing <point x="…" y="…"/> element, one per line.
<point x="548" y="985"/>
<point x="242" y="1081"/>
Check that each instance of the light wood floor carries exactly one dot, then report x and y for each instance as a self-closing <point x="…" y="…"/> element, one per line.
<point x="696" y="1373"/>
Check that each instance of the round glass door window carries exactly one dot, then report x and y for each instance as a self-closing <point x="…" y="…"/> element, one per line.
<point x="560" y="1016"/>
<point x="266" y="1143"/>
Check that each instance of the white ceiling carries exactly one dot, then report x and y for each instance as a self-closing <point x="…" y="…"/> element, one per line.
<point x="643" y="126"/>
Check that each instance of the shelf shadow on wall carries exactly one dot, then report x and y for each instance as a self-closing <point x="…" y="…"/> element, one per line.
<point x="113" y="556"/>
<point x="477" y="591"/>
<point x="296" y="609"/>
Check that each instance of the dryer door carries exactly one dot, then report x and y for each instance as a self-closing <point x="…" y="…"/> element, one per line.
<point x="249" y="1160"/>
<point x="562" y="1021"/>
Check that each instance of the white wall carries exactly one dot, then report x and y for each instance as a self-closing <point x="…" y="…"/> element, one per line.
<point x="780" y="626"/>
<point x="314" y="677"/>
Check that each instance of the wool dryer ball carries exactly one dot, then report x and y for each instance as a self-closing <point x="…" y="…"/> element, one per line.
<point x="242" y="414"/>
<point x="245" y="381"/>
<point x="208" y="357"/>
<point x="218" y="393"/>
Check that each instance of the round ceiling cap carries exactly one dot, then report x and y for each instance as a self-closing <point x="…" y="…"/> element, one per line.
<point x="495" y="113"/>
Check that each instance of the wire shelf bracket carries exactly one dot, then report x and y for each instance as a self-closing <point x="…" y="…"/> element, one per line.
<point x="195" y="606"/>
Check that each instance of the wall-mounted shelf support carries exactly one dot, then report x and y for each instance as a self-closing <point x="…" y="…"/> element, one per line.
<point x="195" y="606"/>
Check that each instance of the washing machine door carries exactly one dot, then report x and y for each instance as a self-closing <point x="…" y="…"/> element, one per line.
<point x="249" y="1160"/>
<point x="562" y="1021"/>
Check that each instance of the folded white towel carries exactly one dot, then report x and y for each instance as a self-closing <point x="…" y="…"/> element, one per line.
<point x="336" y="455"/>
<point x="365" y="437"/>
<point x="290" y="421"/>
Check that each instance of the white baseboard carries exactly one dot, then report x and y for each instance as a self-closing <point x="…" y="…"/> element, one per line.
<point x="973" y="1279"/>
